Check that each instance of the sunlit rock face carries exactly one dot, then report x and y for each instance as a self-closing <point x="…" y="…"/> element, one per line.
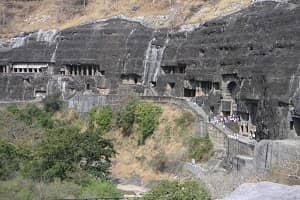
<point x="258" y="49"/>
<point x="250" y="58"/>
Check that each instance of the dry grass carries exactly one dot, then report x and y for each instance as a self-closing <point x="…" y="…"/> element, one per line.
<point x="60" y="14"/>
<point x="133" y="159"/>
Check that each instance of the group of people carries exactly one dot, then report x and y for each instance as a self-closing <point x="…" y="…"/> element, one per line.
<point x="223" y="120"/>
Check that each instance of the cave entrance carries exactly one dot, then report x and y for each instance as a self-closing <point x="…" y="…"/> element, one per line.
<point x="232" y="88"/>
<point x="189" y="92"/>
<point x="181" y="69"/>
<point x="176" y="69"/>
<point x="216" y="85"/>
<point x="40" y="93"/>
<point x="2" y="69"/>
<point x="206" y="87"/>
<point x="82" y="70"/>
<point x="296" y="124"/>
<point x="171" y="85"/>
<point x="130" y="79"/>
<point x="153" y="83"/>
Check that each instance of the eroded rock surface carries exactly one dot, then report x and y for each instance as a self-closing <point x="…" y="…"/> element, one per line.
<point x="266" y="191"/>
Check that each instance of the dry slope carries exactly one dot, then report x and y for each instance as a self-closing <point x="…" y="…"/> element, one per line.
<point x="168" y="143"/>
<point x="25" y="16"/>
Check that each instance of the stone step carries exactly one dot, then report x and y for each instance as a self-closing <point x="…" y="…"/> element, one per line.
<point x="243" y="163"/>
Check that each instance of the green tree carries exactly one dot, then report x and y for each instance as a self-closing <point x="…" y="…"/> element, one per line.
<point x="100" y="118"/>
<point x="176" y="190"/>
<point x="147" y="116"/>
<point x="97" y="153"/>
<point x="55" y="156"/>
<point x="127" y="117"/>
<point x="10" y="158"/>
<point x="64" y="148"/>
<point x="32" y="115"/>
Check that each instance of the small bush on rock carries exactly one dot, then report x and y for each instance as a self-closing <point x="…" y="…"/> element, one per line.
<point x="100" y="118"/>
<point x="200" y="148"/>
<point x="184" y="120"/>
<point x="32" y="115"/>
<point x="168" y="190"/>
<point x="52" y="104"/>
<point x="101" y="190"/>
<point x="127" y="117"/>
<point x="147" y="117"/>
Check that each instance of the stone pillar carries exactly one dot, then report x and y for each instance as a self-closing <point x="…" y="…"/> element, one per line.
<point x="7" y="69"/>
<point x="82" y="70"/>
<point x="87" y="70"/>
<point x="93" y="71"/>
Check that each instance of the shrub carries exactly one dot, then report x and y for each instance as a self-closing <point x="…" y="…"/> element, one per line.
<point x="57" y="190"/>
<point x="52" y="104"/>
<point x="17" y="189"/>
<point x="101" y="118"/>
<point x="200" y="148"/>
<point x="13" y="109"/>
<point x="159" y="162"/>
<point x="127" y="117"/>
<point x="63" y="148"/>
<point x="100" y="190"/>
<point x="25" y="189"/>
<point x="185" y="120"/>
<point x="31" y="115"/>
<point x="168" y="190"/>
<point x="147" y="117"/>
<point x="10" y="158"/>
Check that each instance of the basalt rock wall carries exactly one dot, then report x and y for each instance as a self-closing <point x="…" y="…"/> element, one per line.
<point x="252" y="55"/>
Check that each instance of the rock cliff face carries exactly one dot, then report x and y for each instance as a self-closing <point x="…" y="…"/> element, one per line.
<point x="265" y="190"/>
<point x="247" y="63"/>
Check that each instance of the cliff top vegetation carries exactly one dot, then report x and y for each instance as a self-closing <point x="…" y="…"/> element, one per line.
<point x="26" y="16"/>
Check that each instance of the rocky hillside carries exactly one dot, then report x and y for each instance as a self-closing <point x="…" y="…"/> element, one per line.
<point x="163" y="153"/>
<point x="26" y="16"/>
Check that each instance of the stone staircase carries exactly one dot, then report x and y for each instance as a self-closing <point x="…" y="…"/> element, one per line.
<point x="240" y="162"/>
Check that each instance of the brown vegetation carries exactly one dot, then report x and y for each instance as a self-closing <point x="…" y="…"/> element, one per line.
<point x="25" y="16"/>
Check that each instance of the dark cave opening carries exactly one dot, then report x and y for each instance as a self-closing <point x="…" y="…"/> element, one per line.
<point x="130" y="79"/>
<point x="296" y="124"/>
<point x="189" y="92"/>
<point x="171" y="85"/>
<point x="2" y="69"/>
<point x="232" y="88"/>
